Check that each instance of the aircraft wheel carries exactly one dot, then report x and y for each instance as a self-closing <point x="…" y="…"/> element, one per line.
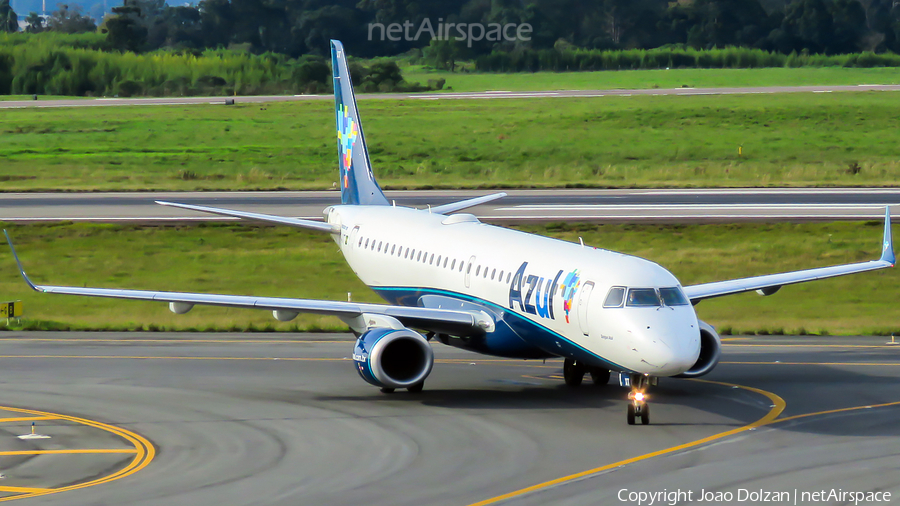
<point x="645" y="415"/>
<point x="416" y="388"/>
<point x="386" y="390"/>
<point x="630" y="414"/>
<point x="599" y="376"/>
<point x="573" y="372"/>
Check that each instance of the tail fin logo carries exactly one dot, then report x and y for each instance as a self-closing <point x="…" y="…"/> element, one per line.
<point x="348" y="132"/>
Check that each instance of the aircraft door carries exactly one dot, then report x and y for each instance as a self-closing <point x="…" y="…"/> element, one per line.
<point x="354" y="236"/>
<point x="469" y="265"/>
<point x="584" y="300"/>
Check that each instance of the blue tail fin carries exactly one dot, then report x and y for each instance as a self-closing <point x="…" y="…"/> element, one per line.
<point x="358" y="185"/>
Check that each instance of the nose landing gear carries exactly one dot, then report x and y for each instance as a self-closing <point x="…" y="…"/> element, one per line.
<point x="637" y="406"/>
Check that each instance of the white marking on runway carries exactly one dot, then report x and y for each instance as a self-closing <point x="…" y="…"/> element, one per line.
<point x="650" y="216"/>
<point x="767" y="191"/>
<point x="684" y="207"/>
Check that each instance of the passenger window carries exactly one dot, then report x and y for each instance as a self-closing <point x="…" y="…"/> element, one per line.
<point x="673" y="296"/>
<point x="360" y="242"/>
<point x="419" y="259"/>
<point x="461" y="264"/>
<point x="493" y="273"/>
<point x="501" y="277"/>
<point x="477" y="270"/>
<point x="439" y="261"/>
<point x="445" y="262"/>
<point x="367" y="243"/>
<point x="431" y="262"/>
<point x="615" y="297"/>
<point x="486" y="271"/>
<point x="642" y="297"/>
<point x="508" y="276"/>
<point x="394" y="249"/>
<point x="379" y="246"/>
<point x="453" y="265"/>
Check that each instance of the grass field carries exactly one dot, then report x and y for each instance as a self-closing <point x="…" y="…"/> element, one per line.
<point x="793" y="139"/>
<point x="645" y="79"/>
<point x="271" y="261"/>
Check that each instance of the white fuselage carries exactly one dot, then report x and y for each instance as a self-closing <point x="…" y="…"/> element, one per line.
<point x="552" y="291"/>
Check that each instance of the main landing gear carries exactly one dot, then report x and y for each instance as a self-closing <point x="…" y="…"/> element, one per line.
<point x="414" y="389"/>
<point x="637" y="406"/>
<point x="574" y="371"/>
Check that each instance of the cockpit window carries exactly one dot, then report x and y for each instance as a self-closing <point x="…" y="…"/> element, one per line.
<point x="645" y="297"/>
<point x="615" y="297"/>
<point x="673" y="296"/>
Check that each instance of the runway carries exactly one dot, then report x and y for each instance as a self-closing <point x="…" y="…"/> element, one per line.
<point x="443" y="95"/>
<point x="655" y="205"/>
<point x="283" y="419"/>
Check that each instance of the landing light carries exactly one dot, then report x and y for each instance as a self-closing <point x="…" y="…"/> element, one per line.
<point x="639" y="396"/>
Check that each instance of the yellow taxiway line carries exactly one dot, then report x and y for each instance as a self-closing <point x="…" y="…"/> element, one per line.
<point x="23" y="490"/>
<point x="27" y="419"/>
<point x="143" y="451"/>
<point x="67" y="452"/>
<point x="778" y="406"/>
<point x="771" y="418"/>
<point x="832" y="411"/>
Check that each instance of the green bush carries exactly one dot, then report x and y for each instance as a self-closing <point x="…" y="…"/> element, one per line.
<point x="563" y="58"/>
<point x="82" y="65"/>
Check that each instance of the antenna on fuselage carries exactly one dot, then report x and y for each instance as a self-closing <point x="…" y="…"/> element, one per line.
<point x="581" y="241"/>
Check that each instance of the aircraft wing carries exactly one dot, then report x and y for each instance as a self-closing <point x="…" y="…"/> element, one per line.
<point x="449" y="321"/>
<point x="268" y="218"/>
<point x="769" y="284"/>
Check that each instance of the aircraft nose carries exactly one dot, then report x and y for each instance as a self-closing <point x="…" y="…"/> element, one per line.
<point x="669" y="345"/>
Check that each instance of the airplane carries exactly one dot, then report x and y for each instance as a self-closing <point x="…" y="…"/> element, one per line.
<point x="489" y="289"/>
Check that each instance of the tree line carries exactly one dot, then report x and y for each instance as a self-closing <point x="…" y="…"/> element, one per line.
<point x="299" y="27"/>
<point x="82" y="65"/>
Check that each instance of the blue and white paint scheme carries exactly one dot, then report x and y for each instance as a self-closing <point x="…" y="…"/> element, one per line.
<point x="488" y="289"/>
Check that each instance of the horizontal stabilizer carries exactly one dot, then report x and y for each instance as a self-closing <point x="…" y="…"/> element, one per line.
<point x="268" y="218"/>
<point x="465" y="204"/>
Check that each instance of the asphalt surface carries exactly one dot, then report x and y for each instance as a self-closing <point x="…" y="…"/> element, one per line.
<point x="692" y="205"/>
<point x="284" y="419"/>
<point x="445" y="95"/>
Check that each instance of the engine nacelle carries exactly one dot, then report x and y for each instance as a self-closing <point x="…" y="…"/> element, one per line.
<point x="393" y="358"/>
<point x="710" y="352"/>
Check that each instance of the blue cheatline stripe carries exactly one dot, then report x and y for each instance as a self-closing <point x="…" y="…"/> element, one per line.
<point x="506" y="311"/>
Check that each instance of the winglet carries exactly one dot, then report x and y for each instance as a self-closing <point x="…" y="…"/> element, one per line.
<point x="16" y="256"/>
<point x="887" y="253"/>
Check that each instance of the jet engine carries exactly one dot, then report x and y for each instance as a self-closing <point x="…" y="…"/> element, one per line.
<point x="710" y="351"/>
<point x="393" y="358"/>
